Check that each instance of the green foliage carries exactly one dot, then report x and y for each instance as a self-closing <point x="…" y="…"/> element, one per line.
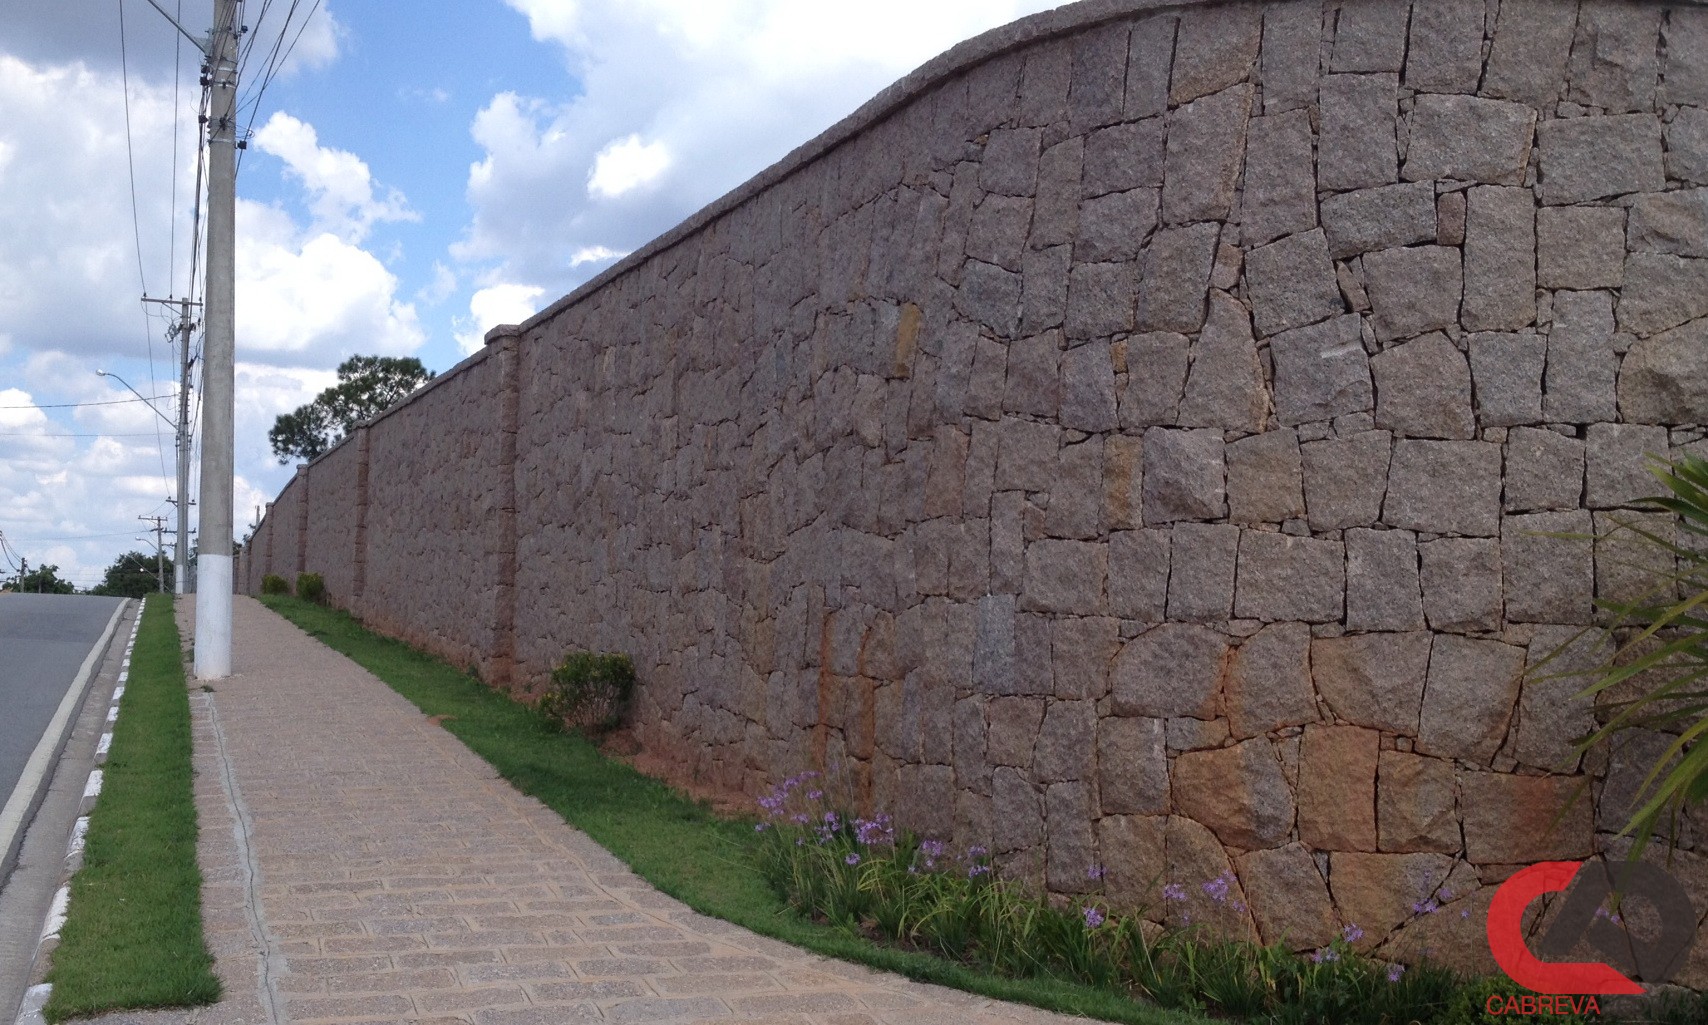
<point x="135" y="575"/>
<point x="311" y="587"/>
<point x="367" y="386"/>
<point x="590" y="692"/>
<point x="272" y="583"/>
<point x="42" y="580"/>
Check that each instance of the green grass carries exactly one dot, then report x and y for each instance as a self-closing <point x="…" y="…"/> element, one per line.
<point x="133" y="939"/>
<point x="677" y="844"/>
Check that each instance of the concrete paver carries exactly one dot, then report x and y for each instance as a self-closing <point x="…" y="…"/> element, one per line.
<point x="362" y="865"/>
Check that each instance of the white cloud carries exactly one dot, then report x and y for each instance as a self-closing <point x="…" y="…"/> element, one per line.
<point x="595" y="254"/>
<point x="339" y="184"/>
<point x="492" y="306"/>
<point x="626" y="165"/>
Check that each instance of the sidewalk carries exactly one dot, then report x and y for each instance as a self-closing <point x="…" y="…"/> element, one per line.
<point x="362" y="865"/>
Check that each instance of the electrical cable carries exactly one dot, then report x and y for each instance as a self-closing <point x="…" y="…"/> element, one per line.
<point x="76" y="405"/>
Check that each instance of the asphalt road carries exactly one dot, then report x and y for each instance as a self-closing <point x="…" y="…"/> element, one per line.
<point x="44" y="639"/>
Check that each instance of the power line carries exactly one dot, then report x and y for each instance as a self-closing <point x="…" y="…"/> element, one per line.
<point x="27" y="434"/>
<point x="105" y="402"/>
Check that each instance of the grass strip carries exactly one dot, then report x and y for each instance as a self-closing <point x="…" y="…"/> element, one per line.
<point x="677" y="844"/>
<point x="133" y="937"/>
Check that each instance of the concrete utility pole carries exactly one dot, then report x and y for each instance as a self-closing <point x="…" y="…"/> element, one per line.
<point x="159" y="549"/>
<point x="181" y="546"/>
<point x="213" y="559"/>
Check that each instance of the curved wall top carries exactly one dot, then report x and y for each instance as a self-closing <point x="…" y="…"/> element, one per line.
<point x="1140" y="436"/>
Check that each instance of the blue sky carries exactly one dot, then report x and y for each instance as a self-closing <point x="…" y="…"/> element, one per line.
<point x="416" y="174"/>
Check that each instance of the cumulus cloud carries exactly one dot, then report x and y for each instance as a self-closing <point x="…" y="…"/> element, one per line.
<point x="341" y="190"/>
<point x="626" y="165"/>
<point x="495" y="305"/>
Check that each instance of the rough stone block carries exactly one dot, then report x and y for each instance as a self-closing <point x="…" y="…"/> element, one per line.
<point x="1282" y="577"/>
<point x="1462" y="584"/>
<point x="1098" y="94"/>
<point x="1589" y="158"/>
<point x="1551" y="715"/>
<point x="1507" y="372"/>
<point x="1684" y="77"/>
<point x="1044" y="290"/>
<point x="1500" y="259"/>
<point x="998" y="233"/>
<point x="1381" y="218"/>
<point x="1027" y="455"/>
<point x="1356" y="148"/>
<point x="1664" y="379"/>
<point x="1337" y="788"/>
<point x="1076" y="506"/>
<point x="1194" y="855"/>
<point x="1045" y="79"/>
<point x="1171" y="670"/>
<point x="1292" y="283"/>
<point x="1382" y="585"/>
<point x="1469" y="697"/>
<point x="1582" y="378"/>
<point x="1413" y="291"/>
<point x="1176" y="278"/>
<point x="1055" y="211"/>
<point x="1414" y="804"/>
<point x="1369" y="35"/>
<point x="1662" y="292"/>
<point x="1468" y="138"/>
<point x="1123" y="482"/>
<point x="1269" y="681"/>
<point x="1150" y="58"/>
<point x="1321" y="372"/>
<point x="1292" y="39"/>
<point x="1156" y="378"/>
<point x="1134" y="852"/>
<point x="1280" y="178"/>
<point x="1239" y="792"/>
<point x="1619" y="457"/>
<point x="1423" y="389"/>
<point x="1446" y="48"/>
<point x="1202" y="561"/>
<point x="1510" y="820"/>
<point x="1013" y="730"/>
<point x="1548" y="579"/>
<point x="1123" y="157"/>
<point x="1527" y="60"/>
<point x="1613" y="64"/>
<point x="1100" y="299"/>
<point x="1132" y="765"/>
<point x="1088" y="389"/>
<point x="1065" y="577"/>
<point x="1113" y="227"/>
<point x="1034" y="382"/>
<point x="993" y="646"/>
<point x="1225" y="387"/>
<point x="1010" y="164"/>
<point x="1687" y="146"/>
<point x="1185" y="476"/>
<point x="1346" y="479"/>
<point x="1265" y="478"/>
<point x="1671" y="222"/>
<point x="1138" y="574"/>
<point x="1017" y="811"/>
<point x="1288" y="897"/>
<point x="1214" y="50"/>
<point x="1380" y="891"/>
<point x="1445" y="487"/>
<point x="1067" y="743"/>
<point x="1544" y="470"/>
<point x="1082" y="651"/>
<point x="1580" y="247"/>
<point x="1375" y="680"/>
<point x="990" y="295"/>
<point x="1206" y="149"/>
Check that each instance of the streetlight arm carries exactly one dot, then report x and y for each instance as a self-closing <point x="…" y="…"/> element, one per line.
<point x="169" y="421"/>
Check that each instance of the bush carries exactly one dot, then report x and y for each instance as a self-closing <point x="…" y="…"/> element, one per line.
<point x="311" y="587"/>
<point x="590" y="692"/>
<point x="272" y="583"/>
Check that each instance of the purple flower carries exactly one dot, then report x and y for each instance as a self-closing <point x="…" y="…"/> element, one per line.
<point x="977" y="870"/>
<point x="1174" y="892"/>
<point x="1425" y="907"/>
<point x="813" y="795"/>
<point x="852" y="859"/>
<point x="1095" y="873"/>
<point x="1395" y="971"/>
<point x="1093" y="917"/>
<point x="1325" y="955"/>
<point x="1352" y="934"/>
<point x="1217" y="888"/>
<point x="759" y="827"/>
<point x="931" y="848"/>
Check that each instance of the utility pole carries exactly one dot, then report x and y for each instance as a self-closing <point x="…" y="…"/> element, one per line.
<point x="159" y="549"/>
<point x="180" y="547"/>
<point x="213" y="569"/>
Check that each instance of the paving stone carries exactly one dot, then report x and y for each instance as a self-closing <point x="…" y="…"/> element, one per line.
<point x="1176" y="278"/>
<point x="1511" y="820"/>
<point x="1446" y="487"/>
<point x="1544" y="470"/>
<point x="1292" y="283"/>
<point x="1619" y="457"/>
<point x="1462" y="584"/>
<point x="1423" y="389"/>
<point x="1580" y="247"/>
<point x="1374" y="680"/>
<point x="1595" y="157"/>
<point x="1113" y="227"/>
<point x="1288" y="897"/>
<point x="1225" y="387"/>
<point x="1202" y="562"/>
<point x="1206" y="150"/>
<point x="1369" y="36"/>
<point x="1662" y="292"/>
<point x="1469" y="697"/>
<point x="1265" y="478"/>
<point x="1280" y="175"/>
<point x="1346" y="479"/>
<point x="1613" y="64"/>
<point x="1337" y="788"/>
<point x="1123" y="157"/>
<point x="1356" y="148"/>
<point x="1292" y="39"/>
<point x="1413" y="291"/>
<point x="1290" y="578"/>
<point x="1132" y="762"/>
<point x="1239" y="792"/>
<point x="1171" y="670"/>
<point x="1381" y="218"/>
<point x="1415" y="804"/>
<point x="1382" y="584"/>
<point x="1527" y="59"/>
<point x="1469" y="138"/>
<point x="1321" y="372"/>
<point x="1664" y="379"/>
<point x="1548" y="579"/>
<point x="1506" y="370"/>
<point x="1687" y="146"/>
<point x="1446" y="46"/>
<point x="1500" y="259"/>
<point x="1156" y="377"/>
<point x="1138" y="574"/>
<point x="1269" y="681"/>
<point x="1185" y="476"/>
<point x="1581" y="381"/>
<point x="1671" y="222"/>
<point x="1214" y="50"/>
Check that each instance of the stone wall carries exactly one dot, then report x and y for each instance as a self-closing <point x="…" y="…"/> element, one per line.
<point x="1139" y="438"/>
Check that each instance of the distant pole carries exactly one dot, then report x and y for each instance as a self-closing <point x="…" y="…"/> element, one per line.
<point x="213" y="558"/>
<point x="159" y="549"/>
<point x="181" y="546"/>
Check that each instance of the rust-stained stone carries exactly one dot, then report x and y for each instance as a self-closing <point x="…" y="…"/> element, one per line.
<point x="1195" y="857"/>
<point x="1269" y="681"/>
<point x="1337" y="788"/>
<point x="1373" y="680"/>
<point x="1289" y="899"/>
<point x="1134" y="857"/>
<point x="1378" y="892"/>
<point x="1415" y="804"/>
<point x="1511" y="819"/>
<point x="1174" y="669"/>
<point x="1469" y="699"/>
<point x="1238" y="791"/>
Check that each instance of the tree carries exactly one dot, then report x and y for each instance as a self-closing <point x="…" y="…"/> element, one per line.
<point x="42" y="580"/>
<point x="367" y="386"/>
<point x="133" y="575"/>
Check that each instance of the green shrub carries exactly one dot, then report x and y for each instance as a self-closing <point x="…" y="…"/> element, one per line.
<point x="272" y="583"/>
<point x="311" y="587"/>
<point x="590" y="691"/>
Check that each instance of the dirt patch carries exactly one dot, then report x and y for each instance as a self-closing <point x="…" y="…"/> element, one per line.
<point x="625" y="747"/>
